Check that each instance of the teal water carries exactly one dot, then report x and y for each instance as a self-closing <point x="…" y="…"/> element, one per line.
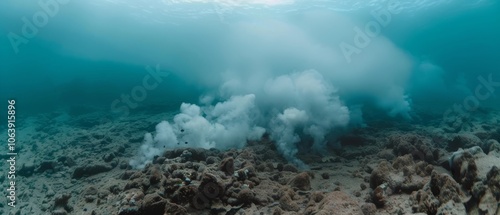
<point x="290" y="56"/>
<point x="108" y="43"/>
<point x="115" y="98"/>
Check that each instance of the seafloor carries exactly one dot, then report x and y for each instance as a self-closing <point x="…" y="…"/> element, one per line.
<point x="78" y="164"/>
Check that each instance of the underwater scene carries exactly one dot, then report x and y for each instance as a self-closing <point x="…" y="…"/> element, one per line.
<point x="250" y="107"/>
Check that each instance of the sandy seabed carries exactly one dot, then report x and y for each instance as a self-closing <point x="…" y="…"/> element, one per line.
<point x="80" y="165"/>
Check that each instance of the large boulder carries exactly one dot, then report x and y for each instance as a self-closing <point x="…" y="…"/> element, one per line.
<point x="439" y="191"/>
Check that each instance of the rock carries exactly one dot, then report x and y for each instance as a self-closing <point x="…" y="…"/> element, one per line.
<point x="115" y="189"/>
<point x="267" y="192"/>
<point x="380" y="174"/>
<point x="190" y="154"/>
<point x="493" y="146"/>
<point x="211" y="186"/>
<point x="369" y="209"/>
<point x="316" y="197"/>
<point x="478" y="190"/>
<point x="403" y="161"/>
<point x="227" y="166"/>
<point x="279" y="167"/>
<point x="247" y="197"/>
<point x="423" y="169"/>
<point x="464" y="169"/>
<point x="172" y="184"/>
<point x="27" y="169"/>
<point x="124" y="165"/>
<point x="241" y="174"/>
<point x="325" y="175"/>
<point x="247" y="154"/>
<point x="90" y="194"/>
<point x="180" y="174"/>
<point x="287" y="204"/>
<point x="184" y="194"/>
<point x="61" y="202"/>
<point x="412" y="185"/>
<point x="50" y="193"/>
<point x="175" y="209"/>
<point x="485" y="163"/>
<point x="338" y="203"/>
<point x="362" y="186"/>
<point x="212" y="160"/>
<point x="444" y="188"/>
<point x="131" y="197"/>
<point x="67" y="161"/>
<point x="451" y="208"/>
<point x="488" y="204"/>
<point x="127" y="175"/>
<point x="186" y="156"/>
<point x="379" y="196"/>
<point x="301" y="181"/>
<point x="91" y="169"/>
<point x="418" y="146"/>
<point x="108" y="157"/>
<point x="463" y="141"/>
<point x="424" y="202"/>
<point x="438" y="191"/>
<point x="153" y="204"/>
<point x="493" y="181"/>
<point x="138" y="183"/>
<point x="290" y="168"/>
<point x="46" y="165"/>
<point x="386" y="154"/>
<point x="155" y="175"/>
<point x="278" y="211"/>
<point x="103" y="195"/>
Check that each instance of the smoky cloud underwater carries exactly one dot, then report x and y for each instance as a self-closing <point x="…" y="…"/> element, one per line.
<point x="288" y="69"/>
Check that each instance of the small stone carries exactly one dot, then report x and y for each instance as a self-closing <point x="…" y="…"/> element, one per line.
<point x="301" y="181"/>
<point x="363" y="186"/>
<point x="325" y="175"/>
<point x="379" y="197"/>
<point x="246" y="196"/>
<point x="227" y="166"/>
<point x="369" y="209"/>
<point x="279" y="167"/>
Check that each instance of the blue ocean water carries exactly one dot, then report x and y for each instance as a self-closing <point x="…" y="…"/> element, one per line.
<point x="121" y="81"/>
<point x="290" y="62"/>
<point x="253" y="67"/>
<point x="90" y="53"/>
